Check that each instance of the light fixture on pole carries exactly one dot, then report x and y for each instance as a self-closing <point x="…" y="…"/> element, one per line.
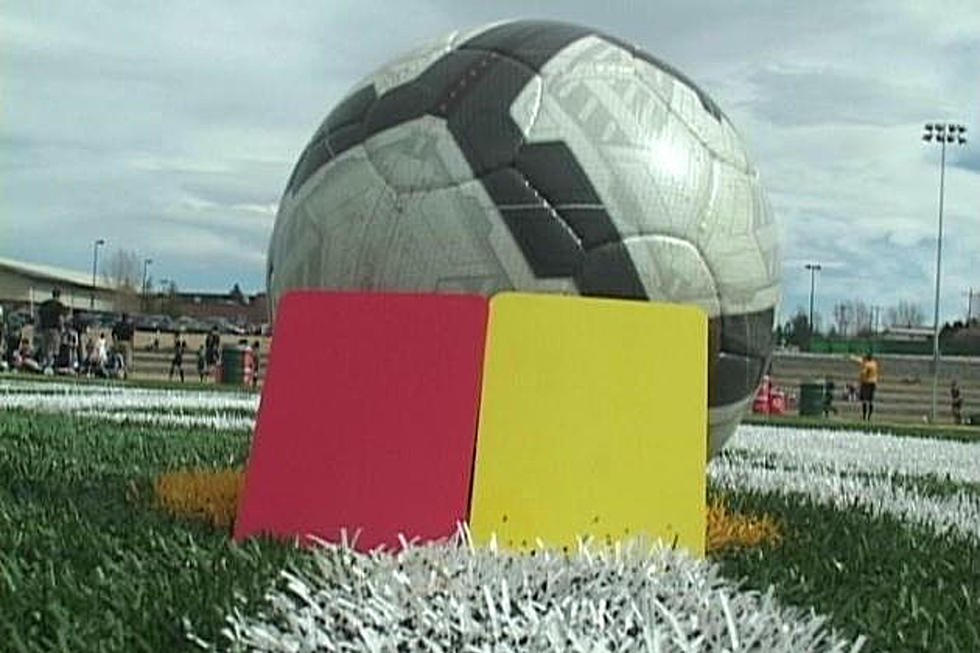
<point x="95" y="261"/>
<point x="940" y="133"/>
<point x="146" y="262"/>
<point x="813" y="268"/>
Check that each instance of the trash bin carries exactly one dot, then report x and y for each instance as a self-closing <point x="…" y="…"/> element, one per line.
<point x="811" y="399"/>
<point x="236" y="364"/>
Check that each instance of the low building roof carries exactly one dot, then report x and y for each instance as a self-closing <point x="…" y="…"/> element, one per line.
<point x="55" y="274"/>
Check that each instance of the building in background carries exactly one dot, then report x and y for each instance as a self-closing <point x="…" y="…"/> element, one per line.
<point x="27" y="284"/>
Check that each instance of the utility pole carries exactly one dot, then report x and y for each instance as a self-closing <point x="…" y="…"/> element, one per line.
<point x="941" y="134"/>
<point x="813" y="268"/>
<point x="969" y="304"/>
<point x="95" y="261"/>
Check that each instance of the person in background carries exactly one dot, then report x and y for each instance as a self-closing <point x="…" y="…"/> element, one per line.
<point x="116" y="369"/>
<point x="212" y="345"/>
<point x="122" y="339"/>
<point x="177" y="362"/>
<point x="868" y="379"/>
<point x="66" y="361"/>
<point x="202" y="363"/>
<point x="100" y="357"/>
<point x="956" y="398"/>
<point x="23" y="358"/>
<point x="828" y="397"/>
<point x="88" y="356"/>
<point x="256" y="359"/>
<point x="51" y="319"/>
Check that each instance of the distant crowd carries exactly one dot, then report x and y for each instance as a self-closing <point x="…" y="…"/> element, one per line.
<point x="64" y="344"/>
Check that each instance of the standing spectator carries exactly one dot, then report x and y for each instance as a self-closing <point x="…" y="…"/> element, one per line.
<point x="122" y="339"/>
<point x="956" y="397"/>
<point x="255" y="364"/>
<point x="51" y="318"/>
<point x="202" y="363"/>
<point x="177" y="362"/>
<point x="212" y="345"/>
<point x="66" y="361"/>
<point x="828" y="397"/>
<point x="100" y="355"/>
<point x="868" y="378"/>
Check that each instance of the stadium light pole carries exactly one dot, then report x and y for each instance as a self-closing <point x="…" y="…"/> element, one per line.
<point x="940" y="133"/>
<point x="146" y="262"/>
<point x="95" y="261"/>
<point x="813" y="268"/>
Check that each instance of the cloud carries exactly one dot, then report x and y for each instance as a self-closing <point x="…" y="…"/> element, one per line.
<point x="171" y="128"/>
<point x="827" y="96"/>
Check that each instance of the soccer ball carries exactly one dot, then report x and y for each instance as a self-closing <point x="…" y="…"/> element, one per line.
<point x="547" y="157"/>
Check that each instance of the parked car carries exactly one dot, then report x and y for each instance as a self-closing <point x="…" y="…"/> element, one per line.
<point x="190" y="325"/>
<point x="153" y="323"/>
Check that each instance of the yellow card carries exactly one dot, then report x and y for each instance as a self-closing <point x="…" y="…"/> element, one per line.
<point x="593" y="422"/>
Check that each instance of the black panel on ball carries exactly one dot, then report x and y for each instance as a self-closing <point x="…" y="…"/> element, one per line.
<point x="733" y="378"/>
<point x="352" y="109"/>
<point x="749" y="334"/>
<point x="608" y="271"/>
<point x="554" y="172"/>
<point x="546" y="243"/>
<point x="531" y="42"/>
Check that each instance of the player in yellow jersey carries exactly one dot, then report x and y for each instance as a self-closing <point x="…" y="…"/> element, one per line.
<point x="868" y="379"/>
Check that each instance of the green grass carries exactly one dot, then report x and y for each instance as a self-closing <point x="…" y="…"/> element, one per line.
<point x="86" y="563"/>
<point x="904" y="587"/>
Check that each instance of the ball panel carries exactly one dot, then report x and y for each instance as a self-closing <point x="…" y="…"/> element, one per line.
<point x="672" y="270"/>
<point x="732" y="378"/>
<point x="722" y="422"/>
<point x="408" y="67"/>
<point x="530" y="42"/>
<point x="418" y="155"/>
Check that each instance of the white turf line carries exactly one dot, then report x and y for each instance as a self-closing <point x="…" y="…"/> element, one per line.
<point x="65" y="397"/>
<point x="452" y="597"/>
<point x="218" y="421"/>
<point x="874" y="453"/>
<point x="843" y="469"/>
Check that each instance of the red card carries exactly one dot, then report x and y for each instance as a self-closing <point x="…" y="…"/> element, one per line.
<point x="368" y="418"/>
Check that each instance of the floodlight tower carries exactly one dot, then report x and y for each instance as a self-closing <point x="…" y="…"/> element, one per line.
<point x="813" y="268"/>
<point x="146" y="262"/>
<point x="95" y="261"/>
<point x="940" y="133"/>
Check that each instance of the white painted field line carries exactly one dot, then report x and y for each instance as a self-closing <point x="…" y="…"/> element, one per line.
<point x="872" y="453"/>
<point x="450" y="596"/>
<point x="844" y="471"/>
<point x="51" y="397"/>
<point x="218" y="421"/>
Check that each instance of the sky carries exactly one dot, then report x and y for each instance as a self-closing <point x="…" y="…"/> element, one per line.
<point x="170" y="129"/>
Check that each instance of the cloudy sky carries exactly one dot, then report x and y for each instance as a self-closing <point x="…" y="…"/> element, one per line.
<point x="171" y="128"/>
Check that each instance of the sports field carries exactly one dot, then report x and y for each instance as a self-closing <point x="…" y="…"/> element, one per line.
<point x="114" y="536"/>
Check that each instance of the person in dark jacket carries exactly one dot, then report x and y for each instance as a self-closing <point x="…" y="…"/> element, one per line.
<point x="51" y="315"/>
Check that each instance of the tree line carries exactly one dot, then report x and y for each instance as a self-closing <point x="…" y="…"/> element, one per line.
<point x="850" y="318"/>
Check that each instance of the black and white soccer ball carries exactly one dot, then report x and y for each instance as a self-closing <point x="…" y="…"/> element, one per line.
<point x="547" y="157"/>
